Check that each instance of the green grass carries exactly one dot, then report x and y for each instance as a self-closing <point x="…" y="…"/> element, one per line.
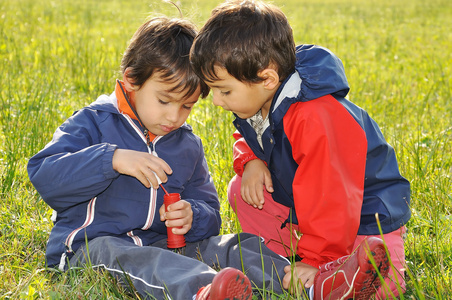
<point x="57" y="56"/>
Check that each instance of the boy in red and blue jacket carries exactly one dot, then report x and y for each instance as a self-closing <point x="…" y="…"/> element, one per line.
<point x="313" y="169"/>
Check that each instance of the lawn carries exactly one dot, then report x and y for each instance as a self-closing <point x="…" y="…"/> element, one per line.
<point x="58" y="56"/>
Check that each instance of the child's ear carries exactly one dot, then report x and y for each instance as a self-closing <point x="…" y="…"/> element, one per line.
<point x="271" y="78"/>
<point x="130" y="87"/>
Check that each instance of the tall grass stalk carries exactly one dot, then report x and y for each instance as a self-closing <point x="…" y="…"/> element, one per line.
<point x="57" y="56"/>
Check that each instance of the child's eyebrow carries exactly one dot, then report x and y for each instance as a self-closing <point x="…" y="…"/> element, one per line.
<point x="166" y="95"/>
<point x="218" y="86"/>
<point x="192" y="102"/>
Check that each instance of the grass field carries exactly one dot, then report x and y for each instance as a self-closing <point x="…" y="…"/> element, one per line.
<point x="57" y="56"/>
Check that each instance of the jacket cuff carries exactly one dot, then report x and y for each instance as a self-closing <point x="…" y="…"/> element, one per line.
<point x="239" y="164"/>
<point x="312" y="262"/>
<point x="191" y="234"/>
<point x="107" y="161"/>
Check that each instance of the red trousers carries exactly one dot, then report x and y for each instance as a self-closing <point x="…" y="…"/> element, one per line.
<point x="266" y="223"/>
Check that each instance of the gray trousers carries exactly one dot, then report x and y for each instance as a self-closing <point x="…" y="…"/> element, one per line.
<point x="158" y="273"/>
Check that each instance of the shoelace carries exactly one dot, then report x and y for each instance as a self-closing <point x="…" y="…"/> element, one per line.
<point x="340" y="261"/>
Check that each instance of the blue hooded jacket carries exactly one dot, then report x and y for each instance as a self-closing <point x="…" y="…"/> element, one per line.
<point x="328" y="160"/>
<point x="75" y="177"/>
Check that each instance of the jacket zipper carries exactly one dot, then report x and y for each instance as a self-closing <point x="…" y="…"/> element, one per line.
<point x="153" y="192"/>
<point x="151" y="150"/>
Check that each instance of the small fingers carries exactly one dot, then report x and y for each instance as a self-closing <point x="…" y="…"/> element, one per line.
<point x="143" y="179"/>
<point x="151" y="178"/>
<point x="181" y="230"/>
<point x="162" y="213"/>
<point x="254" y="196"/>
<point x="268" y="183"/>
<point x="161" y="168"/>
<point x="154" y="169"/>
<point x="286" y="280"/>
<point x="260" y="196"/>
<point x="308" y="283"/>
<point x="247" y="196"/>
<point x="179" y="215"/>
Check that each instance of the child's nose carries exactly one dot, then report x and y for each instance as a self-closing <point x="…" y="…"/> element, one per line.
<point x="216" y="100"/>
<point x="173" y="115"/>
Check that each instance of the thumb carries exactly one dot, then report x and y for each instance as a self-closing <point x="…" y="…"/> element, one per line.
<point x="162" y="213"/>
<point x="268" y="183"/>
<point x="287" y="268"/>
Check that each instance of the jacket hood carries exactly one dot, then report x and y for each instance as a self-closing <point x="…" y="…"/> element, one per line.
<point x="320" y="73"/>
<point x="107" y="103"/>
<point x="115" y="103"/>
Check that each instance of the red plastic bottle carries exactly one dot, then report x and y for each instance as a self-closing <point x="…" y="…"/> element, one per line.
<point x="175" y="242"/>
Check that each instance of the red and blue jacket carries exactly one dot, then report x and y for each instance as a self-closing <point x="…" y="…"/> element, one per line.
<point x="328" y="160"/>
<point x="75" y="177"/>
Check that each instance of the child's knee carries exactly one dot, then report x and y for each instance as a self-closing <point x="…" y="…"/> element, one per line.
<point x="395" y="282"/>
<point x="234" y="191"/>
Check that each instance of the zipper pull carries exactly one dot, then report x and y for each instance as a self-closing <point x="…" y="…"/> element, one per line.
<point x="148" y="138"/>
<point x="148" y="141"/>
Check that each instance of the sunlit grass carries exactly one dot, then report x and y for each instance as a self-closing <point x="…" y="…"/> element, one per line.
<point x="58" y="56"/>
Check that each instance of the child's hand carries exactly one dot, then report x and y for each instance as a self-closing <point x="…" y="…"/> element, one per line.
<point x="141" y="165"/>
<point x="303" y="274"/>
<point x="178" y="214"/>
<point x="255" y="177"/>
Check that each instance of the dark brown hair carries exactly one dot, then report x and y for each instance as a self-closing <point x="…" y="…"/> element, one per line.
<point x="244" y="37"/>
<point x="163" y="45"/>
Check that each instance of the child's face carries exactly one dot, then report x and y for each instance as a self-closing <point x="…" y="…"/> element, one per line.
<point x="243" y="99"/>
<point x="160" y="110"/>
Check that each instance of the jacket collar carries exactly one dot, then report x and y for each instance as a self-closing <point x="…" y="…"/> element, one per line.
<point x="123" y="106"/>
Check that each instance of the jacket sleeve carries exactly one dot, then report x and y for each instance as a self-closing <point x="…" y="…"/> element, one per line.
<point x="202" y="195"/>
<point x="242" y="153"/>
<point x="74" y="167"/>
<point x="330" y="148"/>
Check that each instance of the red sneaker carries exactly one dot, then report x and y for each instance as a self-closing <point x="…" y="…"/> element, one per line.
<point x="229" y="283"/>
<point x="353" y="276"/>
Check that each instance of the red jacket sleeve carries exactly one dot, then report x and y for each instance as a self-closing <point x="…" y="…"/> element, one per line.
<point x="330" y="148"/>
<point x="242" y="153"/>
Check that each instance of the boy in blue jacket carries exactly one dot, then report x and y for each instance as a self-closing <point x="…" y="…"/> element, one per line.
<point x="313" y="169"/>
<point x="101" y="172"/>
